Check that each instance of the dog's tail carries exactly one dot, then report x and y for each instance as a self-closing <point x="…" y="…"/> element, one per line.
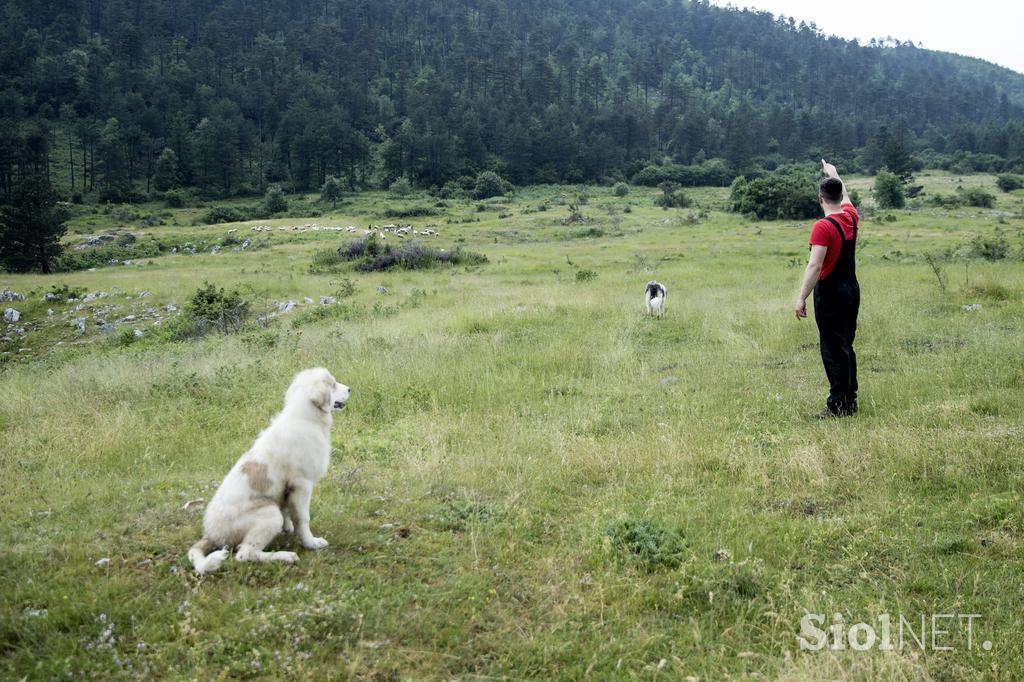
<point x="204" y="558"/>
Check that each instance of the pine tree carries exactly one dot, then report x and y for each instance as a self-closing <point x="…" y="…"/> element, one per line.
<point x="165" y="176"/>
<point x="31" y="226"/>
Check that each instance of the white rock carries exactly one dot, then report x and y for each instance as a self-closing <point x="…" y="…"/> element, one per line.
<point x="102" y="563"/>
<point x="11" y="315"/>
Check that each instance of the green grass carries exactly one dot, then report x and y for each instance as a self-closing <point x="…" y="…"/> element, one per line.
<point x="532" y="479"/>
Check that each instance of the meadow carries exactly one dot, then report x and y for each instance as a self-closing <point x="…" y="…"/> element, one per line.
<point x="532" y="480"/>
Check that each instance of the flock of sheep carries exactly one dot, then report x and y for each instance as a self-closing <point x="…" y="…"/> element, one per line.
<point x="399" y="231"/>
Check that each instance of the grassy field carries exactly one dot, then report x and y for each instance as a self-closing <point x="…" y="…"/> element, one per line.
<point x="532" y="479"/>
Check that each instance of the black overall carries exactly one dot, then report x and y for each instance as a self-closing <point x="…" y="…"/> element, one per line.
<point x="836" y="303"/>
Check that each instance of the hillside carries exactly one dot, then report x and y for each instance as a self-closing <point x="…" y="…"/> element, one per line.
<point x="249" y="93"/>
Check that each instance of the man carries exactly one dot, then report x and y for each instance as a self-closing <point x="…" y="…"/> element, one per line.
<point x="832" y="274"/>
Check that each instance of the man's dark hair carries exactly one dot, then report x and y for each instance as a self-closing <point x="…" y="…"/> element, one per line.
<point x="831" y="190"/>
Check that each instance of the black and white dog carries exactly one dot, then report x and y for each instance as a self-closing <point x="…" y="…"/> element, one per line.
<point x="655" y="296"/>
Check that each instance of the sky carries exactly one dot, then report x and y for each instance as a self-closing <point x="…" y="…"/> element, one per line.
<point x="987" y="29"/>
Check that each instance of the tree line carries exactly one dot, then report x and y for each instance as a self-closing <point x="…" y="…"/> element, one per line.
<point x="121" y="98"/>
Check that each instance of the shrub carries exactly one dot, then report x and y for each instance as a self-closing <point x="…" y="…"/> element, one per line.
<point x="990" y="247"/>
<point x="372" y="255"/>
<point x="648" y="544"/>
<point x="176" y="198"/>
<point x="490" y="184"/>
<point x="410" y="212"/>
<point x="585" y="275"/>
<point x="620" y="189"/>
<point x="346" y="288"/>
<point x="588" y="232"/>
<point x="945" y="200"/>
<point x="325" y="260"/>
<point x="224" y="214"/>
<point x="976" y="196"/>
<point x="74" y="259"/>
<point x="451" y="190"/>
<point x="671" y="196"/>
<point x="213" y="308"/>
<point x="787" y="194"/>
<point x="345" y="312"/>
<point x="274" y="200"/>
<point x="331" y="190"/>
<point x="1009" y="182"/>
<point x="711" y="172"/>
<point x="400" y="187"/>
<point x="63" y="292"/>
<point x="414" y="256"/>
<point x="889" y="190"/>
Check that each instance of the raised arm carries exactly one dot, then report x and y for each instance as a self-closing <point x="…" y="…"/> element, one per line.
<point x="831" y="172"/>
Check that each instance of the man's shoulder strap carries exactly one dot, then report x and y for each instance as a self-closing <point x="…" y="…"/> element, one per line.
<point x="839" y="228"/>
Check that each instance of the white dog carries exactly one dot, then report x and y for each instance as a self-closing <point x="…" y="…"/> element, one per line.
<point x="269" y="488"/>
<point x="655" y="295"/>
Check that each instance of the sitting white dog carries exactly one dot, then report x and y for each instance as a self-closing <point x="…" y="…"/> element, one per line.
<point x="269" y="488"/>
<point x="655" y="295"/>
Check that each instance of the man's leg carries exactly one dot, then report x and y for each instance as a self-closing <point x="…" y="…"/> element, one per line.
<point x="851" y="333"/>
<point x="833" y="338"/>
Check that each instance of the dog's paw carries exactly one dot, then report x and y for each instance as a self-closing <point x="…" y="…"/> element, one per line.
<point x="315" y="543"/>
<point x="286" y="557"/>
<point x="289" y="527"/>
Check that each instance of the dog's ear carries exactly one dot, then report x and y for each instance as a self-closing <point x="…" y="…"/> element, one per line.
<point x="321" y="394"/>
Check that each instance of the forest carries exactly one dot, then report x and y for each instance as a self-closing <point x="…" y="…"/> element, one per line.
<point x="114" y="100"/>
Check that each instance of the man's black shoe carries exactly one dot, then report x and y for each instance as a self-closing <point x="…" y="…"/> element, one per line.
<point x="826" y="413"/>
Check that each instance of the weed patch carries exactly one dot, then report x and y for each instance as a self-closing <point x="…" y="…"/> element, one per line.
<point x="645" y="543"/>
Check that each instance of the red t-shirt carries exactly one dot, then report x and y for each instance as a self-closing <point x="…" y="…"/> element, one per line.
<point x="824" y="234"/>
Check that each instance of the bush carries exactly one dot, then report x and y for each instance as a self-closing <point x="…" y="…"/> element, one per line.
<point x="274" y="200"/>
<point x="711" y="172"/>
<point x="1009" y="182"/>
<point x="400" y="187"/>
<point x="74" y="259"/>
<point x="991" y="248"/>
<point x="331" y="190"/>
<point x="176" y="198"/>
<point x="671" y="196"/>
<point x="888" y="190"/>
<point x="224" y="214"/>
<point x="648" y="544"/>
<point x="976" y="196"/>
<point x="451" y="190"/>
<point x="945" y="200"/>
<point x="585" y="275"/>
<point x="213" y="308"/>
<point x="372" y="255"/>
<point x="787" y="194"/>
<point x="325" y="261"/>
<point x="620" y="189"/>
<point x="410" y="212"/>
<point x="63" y="292"/>
<point x="490" y="184"/>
